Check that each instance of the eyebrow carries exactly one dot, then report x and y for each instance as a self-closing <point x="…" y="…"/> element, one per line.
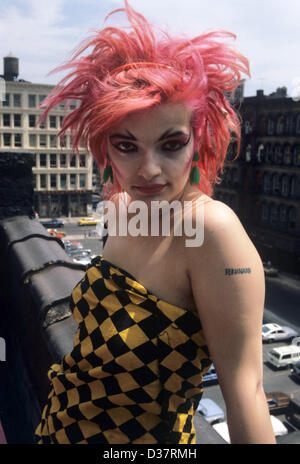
<point x="165" y="135"/>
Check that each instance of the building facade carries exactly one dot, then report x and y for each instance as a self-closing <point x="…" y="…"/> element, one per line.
<point x="62" y="183"/>
<point x="263" y="184"/>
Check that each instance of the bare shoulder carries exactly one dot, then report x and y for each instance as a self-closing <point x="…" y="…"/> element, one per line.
<point x="223" y="232"/>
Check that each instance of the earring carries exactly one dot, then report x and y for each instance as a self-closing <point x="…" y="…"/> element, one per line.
<point x="195" y="173"/>
<point x="108" y="172"/>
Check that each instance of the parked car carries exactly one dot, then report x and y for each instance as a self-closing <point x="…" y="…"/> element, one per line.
<point x="293" y="415"/>
<point x="284" y="356"/>
<point x="275" y="333"/>
<point x="82" y="260"/>
<point x="52" y="223"/>
<point x="295" y="370"/>
<point x="279" y="428"/>
<point x="210" y="376"/>
<point x="84" y="253"/>
<point x="88" y="221"/>
<point x="82" y="256"/>
<point x="277" y="401"/>
<point x="57" y="233"/>
<point x="211" y="411"/>
<point x="73" y="247"/>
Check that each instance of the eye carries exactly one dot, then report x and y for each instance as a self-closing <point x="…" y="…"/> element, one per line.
<point x="173" y="145"/>
<point x="125" y="147"/>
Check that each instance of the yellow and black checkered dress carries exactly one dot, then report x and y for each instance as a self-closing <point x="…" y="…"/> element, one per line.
<point x="135" y="372"/>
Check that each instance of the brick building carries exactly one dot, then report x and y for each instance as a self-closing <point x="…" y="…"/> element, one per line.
<point x="263" y="184"/>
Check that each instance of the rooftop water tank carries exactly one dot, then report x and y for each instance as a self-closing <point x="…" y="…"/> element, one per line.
<point x="10" y="67"/>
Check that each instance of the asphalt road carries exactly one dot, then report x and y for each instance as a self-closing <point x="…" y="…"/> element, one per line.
<point x="282" y="305"/>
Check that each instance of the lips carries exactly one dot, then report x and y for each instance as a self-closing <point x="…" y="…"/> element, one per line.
<point x="149" y="188"/>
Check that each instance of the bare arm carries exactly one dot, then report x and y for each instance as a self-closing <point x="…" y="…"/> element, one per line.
<point x="228" y="286"/>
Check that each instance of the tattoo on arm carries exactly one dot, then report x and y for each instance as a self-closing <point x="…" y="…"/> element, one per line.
<point x="239" y="270"/>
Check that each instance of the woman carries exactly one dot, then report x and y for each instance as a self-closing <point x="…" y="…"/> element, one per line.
<point x="152" y="312"/>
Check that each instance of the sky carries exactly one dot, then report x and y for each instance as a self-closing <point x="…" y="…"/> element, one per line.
<point x="43" y="33"/>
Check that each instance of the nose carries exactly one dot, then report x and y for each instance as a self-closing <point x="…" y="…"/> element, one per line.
<point x="149" y="167"/>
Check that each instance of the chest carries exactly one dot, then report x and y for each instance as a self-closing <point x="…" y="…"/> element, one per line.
<point x="158" y="263"/>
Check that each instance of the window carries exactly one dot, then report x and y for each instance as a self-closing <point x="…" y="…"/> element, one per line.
<point x="82" y="180"/>
<point x="53" y="180"/>
<point x="43" y="160"/>
<point x="82" y="161"/>
<point x="278" y="154"/>
<point x="6" y="102"/>
<point x="18" y="140"/>
<point x="276" y="355"/>
<point x="267" y="182"/>
<point x="32" y="101"/>
<point x="63" y="160"/>
<point x="34" y="181"/>
<point x="73" y="181"/>
<point x="73" y="161"/>
<point x="32" y="140"/>
<point x="276" y="183"/>
<point x="53" y="160"/>
<point x="290" y="124"/>
<point x="287" y="155"/>
<point x="274" y="214"/>
<point x="63" y="181"/>
<point x="43" y="182"/>
<point x="43" y="140"/>
<point x="270" y="127"/>
<point x="42" y="98"/>
<point x="53" y="141"/>
<point x="32" y="120"/>
<point x="269" y="153"/>
<point x="280" y="125"/>
<point x="52" y="120"/>
<point x="282" y="213"/>
<point x="285" y="186"/>
<point x="6" y="120"/>
<point x="17" y="120"/>
<point x="17" y="100"/>
<point x="61" y="118"/>
<point x="6" y="139"/>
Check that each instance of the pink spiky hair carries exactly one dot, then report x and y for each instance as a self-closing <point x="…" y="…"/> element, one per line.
<point x="111" y="82"/>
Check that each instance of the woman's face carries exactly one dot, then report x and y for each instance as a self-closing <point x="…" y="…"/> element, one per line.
<point x="153" y="147"/>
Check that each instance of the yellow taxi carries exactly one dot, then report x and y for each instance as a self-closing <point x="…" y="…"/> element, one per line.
<point x="88" y="221"/>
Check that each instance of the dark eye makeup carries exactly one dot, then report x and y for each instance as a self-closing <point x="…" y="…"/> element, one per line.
<point x="168" y="146"/>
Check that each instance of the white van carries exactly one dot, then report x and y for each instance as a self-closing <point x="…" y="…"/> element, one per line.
<point x="283" y="356"/>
